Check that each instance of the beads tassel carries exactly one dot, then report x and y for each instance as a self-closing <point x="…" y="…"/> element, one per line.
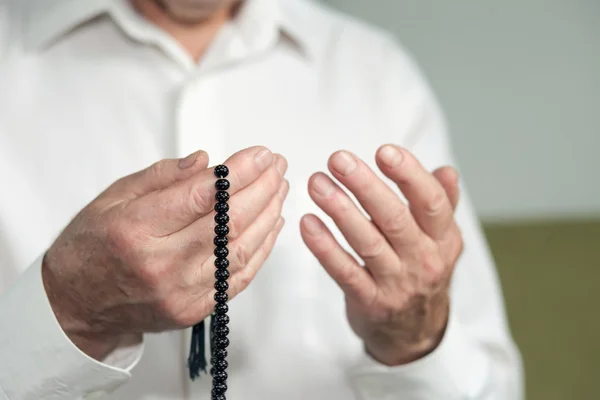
<point x="197" y="357"/>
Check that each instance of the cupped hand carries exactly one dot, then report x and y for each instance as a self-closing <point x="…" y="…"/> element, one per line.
<point x="139" y="258"/>
<point x="397" y="302"/>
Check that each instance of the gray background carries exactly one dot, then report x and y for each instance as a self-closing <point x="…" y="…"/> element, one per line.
<point x="520" y="83"/>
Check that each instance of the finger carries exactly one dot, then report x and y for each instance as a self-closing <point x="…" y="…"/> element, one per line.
<point x="448" y="178"/>
<point x="388" y="212"/>
<point x="427" y="198"/>
<point x="172" y="209"/>
<point x="244" y="206"/>
<point x="242" y="248"/>
<point x="353" y="279"/>
<point x="244" y="277"/>
<point x="368" y="242"/>
<point x="451" y="247"/>
<point x="162" y="174"/>
<point x="240" y="280"/>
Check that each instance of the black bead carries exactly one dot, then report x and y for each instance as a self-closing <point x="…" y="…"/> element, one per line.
<point x="219" y="356"/>
<point x="221" y="230"/>
<point x="220" y="241"/>
<point x="220" y="376"/>
<point x="221" y="308"/>
<point x="221" y="171"/>
<point x="221" y="286"/>
<point x="217" y="369"/>
<point x="217" y="393"/>
<point x="221" y="262"/>
<point x="221" y="207"/>
<point x="222" y="331"/>
<point x="218" y="397"/>
<point x="221" y="196"/>
<point x="219" y="365"/>
<point x="222" y="184"/>
<point x="221" y="252"/>
<point x="221" y="218"/>
<point x="221" y="297"/>
<point x="221" y="342"/>
<point x="221" y="319"/>
<point x="219" y="388"/>
<point x="221" y="274"/>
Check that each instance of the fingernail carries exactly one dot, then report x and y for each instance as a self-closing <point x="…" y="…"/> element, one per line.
<point x="264" y="159"/>
<point x="323" y="186"/>
<point x="390" y="155"/>
<point x="189" y="160"/>
<point x="312" y="225"/>
<point x="281" y="166"/>
<point x="343" y="163"/>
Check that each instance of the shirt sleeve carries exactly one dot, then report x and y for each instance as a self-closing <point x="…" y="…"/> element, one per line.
<point x="37" y="359"/>
<point x="477" y="358"/>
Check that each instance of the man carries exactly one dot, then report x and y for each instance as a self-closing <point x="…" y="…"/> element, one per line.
<point x="362" y="294"/>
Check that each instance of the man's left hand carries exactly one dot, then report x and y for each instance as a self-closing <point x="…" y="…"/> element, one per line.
<point x="398" y="302"/>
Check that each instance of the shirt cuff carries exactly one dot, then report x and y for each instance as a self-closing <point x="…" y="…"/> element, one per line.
<point x="38" y="359"/>
<point x="456" y="369"/>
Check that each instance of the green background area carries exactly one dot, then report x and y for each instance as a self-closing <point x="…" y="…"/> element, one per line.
<point x="550" y="273"/>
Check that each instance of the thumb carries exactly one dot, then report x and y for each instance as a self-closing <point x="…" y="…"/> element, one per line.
<point x="162" y="174"/>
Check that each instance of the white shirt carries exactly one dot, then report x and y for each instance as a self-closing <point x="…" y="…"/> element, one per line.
<point x="91" y="92"/>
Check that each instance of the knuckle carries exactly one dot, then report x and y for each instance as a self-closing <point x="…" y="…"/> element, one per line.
<point x="201" y="199"/>
<point x="150" y="276"/>
<point x="456" y="246"/>
<point x="372" y="249"/>
<point x="240" y="256"/>
<point x="119" y="185"/>
<point x="154" y="275"/>
<point x="341" y="205"/>
<point x="348" y="275"/>
<point x="242" y="280"/>
<point x="434" y="270"/>
<point x="120" y="237"/>
<point x="169" y="308"/>
<point x="236" y="216"/>
<point x="158" y="168"/>
<point x="184" y="319"/>
<point x="435" y="204"/>
<point x="435" y="279"/>
<point x="386" y="311"/>
<point x="396" y="222"/>
<point x="246" y="279"/>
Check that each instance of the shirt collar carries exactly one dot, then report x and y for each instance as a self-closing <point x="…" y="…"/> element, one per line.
<point x="46" y="21"/>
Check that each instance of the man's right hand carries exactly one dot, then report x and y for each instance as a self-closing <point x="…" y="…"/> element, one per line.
<point x="139" y="258"/>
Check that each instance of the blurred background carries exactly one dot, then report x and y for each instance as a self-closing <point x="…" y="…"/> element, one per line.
<point x="520" y="83"/>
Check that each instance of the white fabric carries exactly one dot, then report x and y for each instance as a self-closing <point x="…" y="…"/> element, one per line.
<point x="90" y="92"/>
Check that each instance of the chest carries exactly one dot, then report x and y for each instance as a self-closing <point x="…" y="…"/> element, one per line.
<point x="68" y="132"/>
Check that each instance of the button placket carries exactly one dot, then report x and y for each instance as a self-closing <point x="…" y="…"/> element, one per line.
<point x="197" y="120"/>
<point x="197" y="127"/>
